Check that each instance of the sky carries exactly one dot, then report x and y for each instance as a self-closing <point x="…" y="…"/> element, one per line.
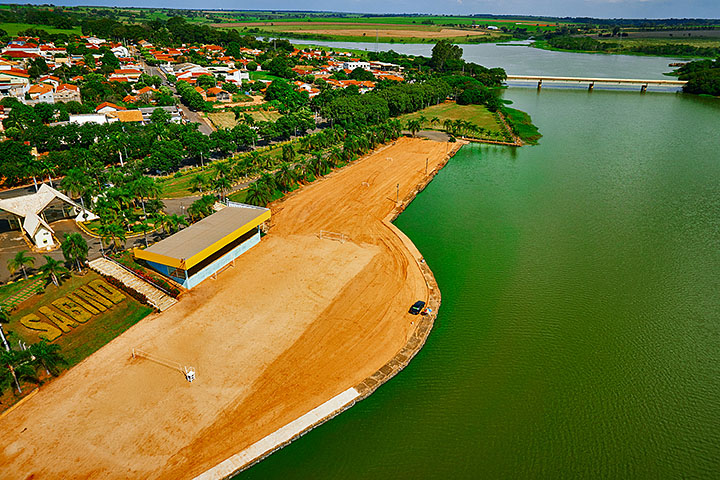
<point x="560" y="8"/>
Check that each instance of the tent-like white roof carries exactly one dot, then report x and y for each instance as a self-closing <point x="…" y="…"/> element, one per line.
<point x="30" y="206"/>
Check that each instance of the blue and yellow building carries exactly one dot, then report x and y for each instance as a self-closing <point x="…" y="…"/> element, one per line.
<point x="204" y="248"/>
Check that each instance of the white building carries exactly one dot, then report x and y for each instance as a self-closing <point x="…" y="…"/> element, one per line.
<point x="30" y="209"/>
<point x="354" y="65"/>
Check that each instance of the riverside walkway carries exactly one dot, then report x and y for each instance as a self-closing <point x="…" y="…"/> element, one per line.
<point x="592" y="81"/>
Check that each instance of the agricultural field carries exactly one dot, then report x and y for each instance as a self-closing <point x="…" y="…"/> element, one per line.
<point x="695" y="41"/>
<point x="386" y="29"/>
<point x="85" y="337"/>
<point x="475" y="114"/>
<point x="287" y="17"/>
<point x="13" y="28"/>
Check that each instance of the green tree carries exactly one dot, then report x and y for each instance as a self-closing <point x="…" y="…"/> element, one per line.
<point x="198" y="183"/>
<point x="19" y="262"/>
<point x="53" y="269"/>
<point x="112" y="234"/>
<point x="76" y="184"/>
<point x="258" y="194"/>
<point x="75" y="249"/>
<point x="47" y="355"/>
<point x="445" y="56"/>
<point x="414" y="126"/>
<point x="172" y="223"/>
<point x="160" y="116"/>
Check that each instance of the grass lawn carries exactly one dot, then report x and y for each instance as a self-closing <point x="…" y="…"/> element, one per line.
<point x="227" y="119"/>
<point x="254" y="76"/>
<point x="176" y="187"/>
<point x="13" y="28"/>
<point x="476" y="114"/>
<point x="238" y="196"/>
<point x="88" y="337"/>
<point x="222" y="119"/>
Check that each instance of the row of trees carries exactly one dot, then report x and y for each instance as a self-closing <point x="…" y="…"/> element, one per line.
<point x="588" y="44"/>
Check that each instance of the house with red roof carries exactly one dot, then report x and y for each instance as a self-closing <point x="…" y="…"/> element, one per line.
<point x="66" y="92"/>
<point x="107" y="107"/>
<point x="42" y="93"/>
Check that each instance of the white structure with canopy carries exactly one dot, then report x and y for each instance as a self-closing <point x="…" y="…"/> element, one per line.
<point x="29" y="209"/>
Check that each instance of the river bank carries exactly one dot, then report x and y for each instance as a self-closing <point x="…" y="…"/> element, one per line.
<point x="276" y="364"/>
<point x="577" y="331"/>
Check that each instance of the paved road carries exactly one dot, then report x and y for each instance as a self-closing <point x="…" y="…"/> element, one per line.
<point x="191" y="115"/>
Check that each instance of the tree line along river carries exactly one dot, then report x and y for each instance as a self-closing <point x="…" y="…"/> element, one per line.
<point x="579" y="335"/>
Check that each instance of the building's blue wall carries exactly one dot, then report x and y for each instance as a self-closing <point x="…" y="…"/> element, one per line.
<point x="213" y="267"/>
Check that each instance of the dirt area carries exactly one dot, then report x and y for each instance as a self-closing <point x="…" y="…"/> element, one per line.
<point x="359" y="29"/>
<point x="298" y="320"/>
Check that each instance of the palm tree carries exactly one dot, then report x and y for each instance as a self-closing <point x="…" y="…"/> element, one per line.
<point x="221" y="184"/>
<point x="449" y="125"/>
<point x="112" y="234"/>
<point x="53" y="269"/>
<point x="75" y="249"/>
<point x="19" y="262"/>
<point x="76" y="184"/>
<point x="146" y="187"/>
<point x="222" y="170"/>
<point x="422" y="119"/>
<point x="171" y="223"/>
<point x="413" y="126"/>
<point x="284" y="177"/>
<point x="288" y="152"/>
<point x="258" y="194"/>
<point x="48" y="356"/>
<point x="197" y="183"/>
<point x="434" y="121"/>
<point x="18" y="363"/>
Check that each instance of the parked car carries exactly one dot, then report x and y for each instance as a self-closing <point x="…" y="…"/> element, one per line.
<point x="417" y="307"/>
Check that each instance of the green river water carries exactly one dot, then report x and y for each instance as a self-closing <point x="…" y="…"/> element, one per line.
<point x="579" y="333"/>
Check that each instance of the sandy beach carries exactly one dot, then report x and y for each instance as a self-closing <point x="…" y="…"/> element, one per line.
<point x="297" y="320"/>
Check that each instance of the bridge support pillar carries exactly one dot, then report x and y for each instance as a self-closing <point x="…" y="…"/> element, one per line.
<point x="591" y="86"/>
<point x="539" y="84"/>
<point x="643" y="89"/>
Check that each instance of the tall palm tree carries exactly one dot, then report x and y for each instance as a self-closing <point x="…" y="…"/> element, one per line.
<point x="284" y="177"/>
<point x="171" y="223"/>
<point x="76" y="184"/>
<point x="258" y="194"/>
<point x="112" y="234"/>
<point x="48" y="356"/>
<point x="197" y="183"/>
<point x="19" y="262"/>
<point x="222" y="184"/>
<point x="434" y="121"/>
<point x="288" y="152"/>
<point x="413" y="126"/>
<point x="75" y="249"/>
<point x="422" y="119"/>
<point x="146" y="188"/>
<point x="18" y="363"/>
<point x="54" y="269"/>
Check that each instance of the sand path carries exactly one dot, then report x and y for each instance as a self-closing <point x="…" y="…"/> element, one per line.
<point x="298" y="320"/>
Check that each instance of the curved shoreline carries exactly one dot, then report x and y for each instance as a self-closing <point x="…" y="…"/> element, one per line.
<point x="349" y="326"/>
<point x="282" y="437"/>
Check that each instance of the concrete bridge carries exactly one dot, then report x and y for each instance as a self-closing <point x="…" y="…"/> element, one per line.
<point x="592" y="81"/>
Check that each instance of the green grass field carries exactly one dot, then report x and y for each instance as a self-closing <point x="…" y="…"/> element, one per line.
<point x="86" y="338"/>
<point x="13" y="28"/>
<point x="476" y="114"/>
